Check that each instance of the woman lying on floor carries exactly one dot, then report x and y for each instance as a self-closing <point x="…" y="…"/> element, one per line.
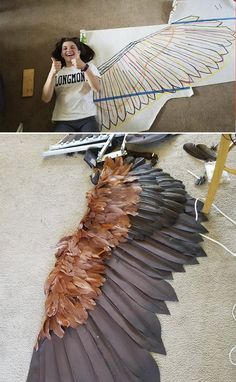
<point x="73" y="80"/>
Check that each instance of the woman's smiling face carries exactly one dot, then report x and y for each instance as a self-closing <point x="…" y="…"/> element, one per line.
<point x="69" y="51"/>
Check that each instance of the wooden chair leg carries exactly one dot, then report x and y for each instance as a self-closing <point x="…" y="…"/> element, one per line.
<point x="219" y="167"/>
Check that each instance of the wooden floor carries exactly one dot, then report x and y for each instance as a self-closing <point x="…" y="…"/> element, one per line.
<point x="29" y="30"/>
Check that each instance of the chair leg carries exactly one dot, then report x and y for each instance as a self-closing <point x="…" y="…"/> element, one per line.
<point x="219" y="167"/>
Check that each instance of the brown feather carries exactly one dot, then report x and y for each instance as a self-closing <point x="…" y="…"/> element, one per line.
<point x="74" y="283"/>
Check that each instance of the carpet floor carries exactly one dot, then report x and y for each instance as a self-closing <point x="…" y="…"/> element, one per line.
<point x="44" y="199"/>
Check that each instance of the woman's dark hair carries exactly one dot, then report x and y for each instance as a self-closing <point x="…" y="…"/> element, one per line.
<point x="86" y="53"/>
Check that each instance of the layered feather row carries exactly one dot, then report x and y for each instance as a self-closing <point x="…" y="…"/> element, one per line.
<point x="79" y="272"/>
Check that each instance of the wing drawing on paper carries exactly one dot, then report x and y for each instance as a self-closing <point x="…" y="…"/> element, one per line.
<point x="111" y="278"/>
<point x="169" y="60"/>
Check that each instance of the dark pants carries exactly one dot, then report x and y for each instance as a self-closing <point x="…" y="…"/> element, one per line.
<point x="84" y="125"/>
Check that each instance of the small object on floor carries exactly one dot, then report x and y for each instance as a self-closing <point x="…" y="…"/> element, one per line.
<point x="214" y="147"/>
<point x="207" y="151"/>
<point x="91" y="158"/>
<point x="95" y="177"/>
<point x="154" y="159"/>
<point x="201" y="180"/>
<point x="200" y="151"/>
<point x="210" y="167"/>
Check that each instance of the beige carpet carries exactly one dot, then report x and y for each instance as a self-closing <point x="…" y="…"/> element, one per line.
<point x="41" y="200"/>
<point x="29" y="30"/>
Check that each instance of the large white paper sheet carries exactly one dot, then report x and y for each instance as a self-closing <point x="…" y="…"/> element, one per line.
<point x="107" y="43"/>
<point x="143" y="67"/>
<point x="205" y="9"/>
<point x="223" y="11"/>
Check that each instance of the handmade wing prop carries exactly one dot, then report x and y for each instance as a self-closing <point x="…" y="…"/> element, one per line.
<point x="109" y="279"/>
<point x="166" y="61"/>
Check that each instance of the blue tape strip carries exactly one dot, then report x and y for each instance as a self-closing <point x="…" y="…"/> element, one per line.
<point x="141" y="93"/>
<point x="203" y="20"/>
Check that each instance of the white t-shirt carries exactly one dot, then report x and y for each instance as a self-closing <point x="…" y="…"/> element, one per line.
<point x="71" y="101"/>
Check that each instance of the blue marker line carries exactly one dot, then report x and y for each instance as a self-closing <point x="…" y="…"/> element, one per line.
<point x="141" y="93"/>
<point x="202" y="21"/>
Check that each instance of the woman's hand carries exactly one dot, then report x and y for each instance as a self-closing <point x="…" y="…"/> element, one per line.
<point x="56" y="66"/>
<point x="48" y="88"/>
<point x="93" y="81"/>
<point x="77" y="62"/>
